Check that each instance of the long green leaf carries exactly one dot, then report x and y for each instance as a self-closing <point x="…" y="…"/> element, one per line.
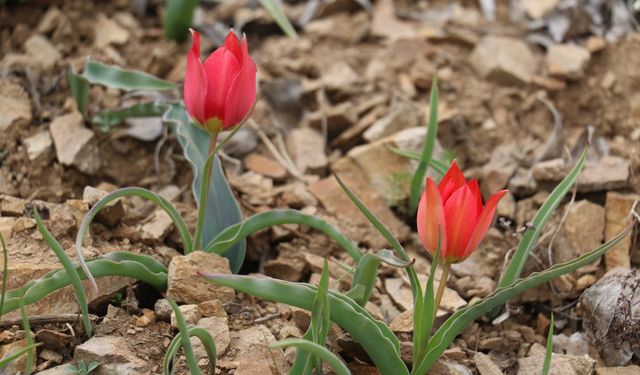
<point x="439" y="166"/>
<point x="318" y="350"/>
<point x="139" y="267"/>
<point x="79" y="89"/>
<point x="424" y="316"/>
<point x="235" y="233"/>
<point x="375" y="337"/>
<point x="539" y="221"/>
<point x="274" y="7"/>
<point x="320" y="312"/>
<point x="178" y="19"/>
<point x="29" y="337"/>
<point x="417" y="183"/>
<point x="549" y="352"/>
<point x="187" y="349"/>
<point x="366" y="275"/>
<point x="463" y="317"/>
<point x="223" y="210"/>
<point x="74" y="277"/>
<point x="181" y="226"/>
<point x="207" y="342"/>
<point x="124" y="79"/>
<point x="107" y="119"/>
<point x="5" y="267"/>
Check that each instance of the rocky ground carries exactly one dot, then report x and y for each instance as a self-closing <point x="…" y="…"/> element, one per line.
<point x="518" y="96"/>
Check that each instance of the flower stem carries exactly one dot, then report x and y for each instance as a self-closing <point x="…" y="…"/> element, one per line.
<point x="443" y="282"/>
<point x="204" y="191"/>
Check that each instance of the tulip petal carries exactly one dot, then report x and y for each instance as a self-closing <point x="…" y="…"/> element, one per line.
<point x="484" y="222"/>
<point x="231" y="43"/>
<point x="431" y="218"/>
<point x="452" y="181"/>
<point x="195" y="82"/>
<point x="222" y="68"/>
<point x="242" y="93"/>
<point x="462" y="213"/>
<point x="475" y="190"/>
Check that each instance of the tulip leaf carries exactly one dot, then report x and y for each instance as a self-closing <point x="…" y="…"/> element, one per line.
<point x="375" y="337"/>
<point x="223" y="210"/>
<point x="5" y="267"/>
<point x="207" y="342"/>
<point x="459" y="321"/>
<point x="74" y="277"/>
<point x="139" y="267"/>
<point x="417" y="183"/>
<point x="107" y="119"/>
<point x="320" y="322"/>
<point x="79" y="89"/>
<point x="549" y="352"/>
<point x="185" y="342"/>
<point x="178" y="19"/>
<point x="28" y="335"/>
<point x="366" y="274"/>
<point x="543" y="215"/>
<point x="317" y="350"/>
<point x="439" y="166"/>
<point x="274" y="7"/>
<point x="238" y="232"/>
<point x="123" y="79"/>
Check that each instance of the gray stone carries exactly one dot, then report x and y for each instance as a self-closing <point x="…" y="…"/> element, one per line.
<point x="306" y="147"/>
<point x="485" y="365"/>
<point x="219" y="330"/>
<point x="43" y="53"/>
<point x="15" y="106"/>
<point x="191" y="314"/>
<point x="75" y="144"/>
<point x="38" y="145"/>
<point x="504" y="60"/>
<point x="567" y="60"/>
<point x="113" y="353"/>
<point x="157" y="228"/>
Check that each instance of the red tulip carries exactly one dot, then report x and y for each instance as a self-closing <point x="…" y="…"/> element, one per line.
<point x="219" y="93"/>
<point x="455" y="207"/>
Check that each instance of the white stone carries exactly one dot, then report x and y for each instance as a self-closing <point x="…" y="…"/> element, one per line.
<point x="38" y="144"/>
<point x="75" y="144"/>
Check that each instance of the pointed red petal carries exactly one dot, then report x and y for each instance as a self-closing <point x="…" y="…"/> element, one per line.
<point x="430" y="218"/>
<point x="232" y="44"/>
<point x="452" y="181"/>
<point x="484" y="222"/>
<point x="461" y="211"/>
<point x="242" y="93"/>
<point x="222" y="68"/>
<point x="195" y="82"/>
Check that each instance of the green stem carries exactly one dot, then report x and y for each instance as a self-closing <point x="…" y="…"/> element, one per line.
<point x="204" y="191"/>
<point x="443" y="282"/>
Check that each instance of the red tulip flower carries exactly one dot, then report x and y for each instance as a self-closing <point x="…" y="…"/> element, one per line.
<point x="219" y="93"/>
<point x="454" y="209"/>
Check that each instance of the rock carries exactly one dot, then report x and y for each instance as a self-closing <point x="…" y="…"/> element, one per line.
<point x="443" y="367"/>
<point x="567" y="61"/>
<point x="608" y="173"/>
<point x="522" y="182"/>
<point x="213" y="308"/>
<point x="617" y="209"/>
<point x="385" y="23"/>
<point x="113" y="353"/>
<point x="609" y="308"/>
<point x="108" y="31"/>
<point x="15" y="106"/>
<point x="537" y="9"/>
<point x="42" y="52"/>
<point x="629" y="370"/>
<point x="403" y="323"/>
<point x="595" y="43"/>
<point x="340" y="77"/>
<point x="290" y="268"/>
<point x="252" y="345"/>
<point x="147" y="317"/>
<point x="66" y="369"/>
<point x="339" y="118"/>
<point x="576" y="344"/>
<point x="155" y="230"/>
<point x="191" y="315"/>
<point x="265" y="166"/>
<point x="12" y="206"/>
<point x="401" y="116"/>
<point x="504" y="60"/>
<point x="560" y="365"/>
<point x="549" y="83"/>
<point x="507" y="206"/>
<point x="582" y="231"/>
<point x="498" y="171"/>
<point x="18" y="365"/>
<point x="550" y="170"/>
<point x="186" y="286"/>
<point x="251" y="367"/>
<point x="219" y="330"/>
<point x="75" y="144"/>
<point x="297" y="196"/>
<point x="163" y="310"/>
<point x="6" y="228"/>
<point x="111" y="214"/>
<point x="485" y="365"/>
<point x="306" y="147"/>
<point x="39" y="146"/>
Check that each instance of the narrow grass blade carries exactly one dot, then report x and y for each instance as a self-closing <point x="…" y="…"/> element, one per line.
<point x="375" y="337"/>
<point x="124" y="79"/>
<point x="439" y="166"/>
<point x="318" y="350"/>
<point x="238" y="232"/>
<point x="181" y="226"/>
<point x="66" y="262"/>
<point x="549" y="353"/>
<point x="463" y="317"/>
<point x="366" y="274"/>
<point x="187" y="349"/>
<point x="274" y="7"/>
<point x="417" y="183"/>
<point x="207" y="342"/>
<point x="178" y="18"/>
<point x="29" y="338"/>
<point x="320" y="322"/>
<point x="79" y="89"/>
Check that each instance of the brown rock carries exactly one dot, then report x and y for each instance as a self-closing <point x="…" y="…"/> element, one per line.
<point x="186" y="286"/>
<point x="567" y="60"/>
<point x="306" y="147"/>
<point x="111" y="214"/>
<point x="113" y="353"/>
<point x="15" y="106"/>
<point x="108" y="31"/>
<point x="75" y="144"/>
<point x="265" y="166"/>
<point x="617" y="209"/>
<point x="43" y="53"/>
<point x="252" y="345"/>
<point x="219" y="329"/>
<point x="39" y="146"/>
<point x="18" y="365"/>
<point x="485" y="365"/>
<point x="191" y="314"/>
<point x="629" y="370"/>
<point x="582" y="231"/>
<point x="157" y="228"/>
<point x="504" y="60"/>
<point x="537" y="9"/>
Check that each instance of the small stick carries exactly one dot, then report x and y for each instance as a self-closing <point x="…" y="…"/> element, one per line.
<point x="39" y="320"/>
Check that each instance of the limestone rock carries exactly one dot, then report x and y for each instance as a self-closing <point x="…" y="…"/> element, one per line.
<point x="113" y="354"/>
<point x="219" y="330"/>
<point x="504" y="60"/>
<point x="629" y="370"/>
<point x="306" y="147"/>
<point x="186" y="286"/>
<point x="582" y="231"/>
<point x="15" y="106"/>
<point x="108" y="31"/>
<point x="155" y="230"/>
<point x="191" y="314"/>
<point x="75" y="144"/>
<point x="560" y="365"/>
<point x="111" y="214"/>
<point x="252" y="345"/>
<point x="617" y="209"/>
<point x="265" y="166"/>
<point x="42" y="52"/>
<point x="567" y="60"/>
<point x="39" y="146"/>
<point x="485" y="365"/>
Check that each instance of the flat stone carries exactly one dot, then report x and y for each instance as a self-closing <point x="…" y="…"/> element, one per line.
<point x="111" y="214"/>
<point x="628" y="370"/>
<point x="186" y="286"/>
<point x="617" y="209"/>
<point x="582" y="231"/>
<point x="306" y="147"/>
<point x="155" y="230"/>
<point x="113" y="353"/>
<point x="43" y="53"/>
<point x="265" y="166"/>
<point x="550" y="170"/>
<point x="108" y="31"/>
<point x="18" y="365"/>
<point x="39" y="145"/>
<point x="504" y="60"/>
<point x="191" y="314"/>
<point x="75" y="144"/>
<point x="340" y="77"/>
<point x="219" y="330"/>
<point x="401" y="116"/>
<point x="485" y="365"/>
<point x="66" y="369"/>
<point x="15" y="106"/>
<point x="252" y="345"/>
<point x="12" y="206"/>
<point x="567" y="61"/>
<point x="560" y="365"/>
<point x="608" y="173"/>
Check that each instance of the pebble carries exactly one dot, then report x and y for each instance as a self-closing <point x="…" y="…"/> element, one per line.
<point x="306" y="147"/>
<point x="504" y="60"/>
<point x="75" y="144"/>
<point x="265" y="166"/>
<point x="39" y="145"/>
<point x="186" y="286"/>
<point x="15" y="106"/>
<point x="567" y="61"/>
<point x="617" y="209"/>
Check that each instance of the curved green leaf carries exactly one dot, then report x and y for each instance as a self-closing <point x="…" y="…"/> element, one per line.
<point x="238" y="232"/>
<point x="79" y="89"/>
<point x="117" y="78"/>
<point x="139" y="267"/>
<point x="178" y="18"/>
<point x="320" y="351"/>
<point x="366" y="274"/>
<point x="274" y="7"/>
<point x="107" y="119"/>
<point x="463" y="317"/>
<point x="375" y="337"/>
<point x="437" y="165"/>
<point x="207" y="341"/>
<point x="549" y="352"/>
<point x="187" y="349"/>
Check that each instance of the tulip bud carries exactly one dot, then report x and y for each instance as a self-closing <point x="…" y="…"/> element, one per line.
<point x="454" y="209"/>
<point x="219" y="93"/>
